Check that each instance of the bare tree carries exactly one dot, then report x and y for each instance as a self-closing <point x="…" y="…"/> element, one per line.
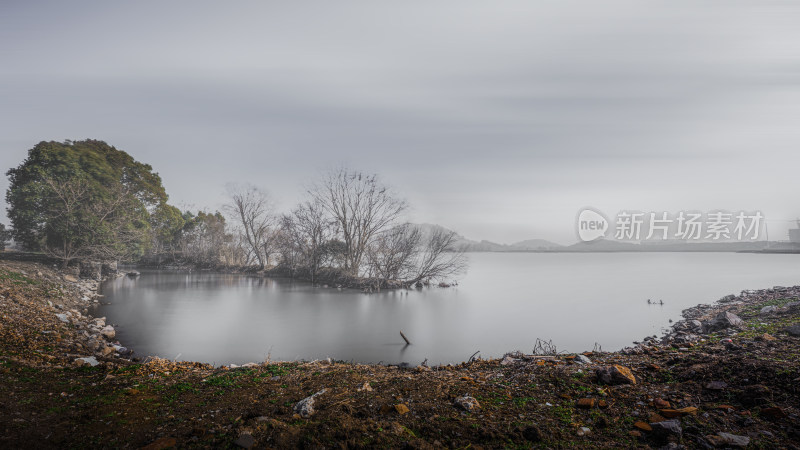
<point x="394" y="252"/>
<point x="306" y="231"/>
<point x="361" y="207"/>
<point x="439" y="257"/>
<point x="253" y="211"/>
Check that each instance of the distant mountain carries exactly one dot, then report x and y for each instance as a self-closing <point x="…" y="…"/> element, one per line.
<point x="488" y="246"/>
<point x="535" y="244"/>
<point x="603" y="245"/>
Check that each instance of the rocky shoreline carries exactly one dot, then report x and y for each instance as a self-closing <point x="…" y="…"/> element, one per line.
<point x="724" y="376"/>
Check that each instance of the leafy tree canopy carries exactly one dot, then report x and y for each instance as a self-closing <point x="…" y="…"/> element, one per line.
<point x="83" y="199"/>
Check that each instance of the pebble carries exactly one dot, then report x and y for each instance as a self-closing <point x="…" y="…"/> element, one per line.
<point x="467" y="403"/>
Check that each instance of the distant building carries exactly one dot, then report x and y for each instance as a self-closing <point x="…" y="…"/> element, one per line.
<point x="794" y="234"/>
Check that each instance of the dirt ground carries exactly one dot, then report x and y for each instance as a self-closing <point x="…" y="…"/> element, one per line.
<point x="731" y="388"/>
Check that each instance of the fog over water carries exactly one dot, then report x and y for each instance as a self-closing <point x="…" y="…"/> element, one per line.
<point x="504" y="303"/>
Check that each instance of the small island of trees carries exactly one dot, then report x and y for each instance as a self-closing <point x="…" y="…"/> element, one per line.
<point x="87" y="202"/>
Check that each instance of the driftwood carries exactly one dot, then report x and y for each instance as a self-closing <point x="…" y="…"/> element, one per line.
<point x="405" y="338"/>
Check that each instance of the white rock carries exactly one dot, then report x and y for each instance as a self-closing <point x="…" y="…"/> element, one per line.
<point x="305" y="407"/>
<point x="63" y="317"/>
<point x="87" y="360"/>
<point x="108" y="332"/>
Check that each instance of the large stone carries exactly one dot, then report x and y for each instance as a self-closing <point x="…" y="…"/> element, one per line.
<point x="108" y="332"/>
<point x="91" y="270"/>
<point x="667" y="428"/>
<point x="305" y="407"/>
<point x="615" y="374"/>
<point x="793" y="330"/>
<point x="722" y="321"/>
<point x="734" y="440"/>
<point x="87" y="361"/>
<point x="109" y="268"/>
<point x="467" y="403"/>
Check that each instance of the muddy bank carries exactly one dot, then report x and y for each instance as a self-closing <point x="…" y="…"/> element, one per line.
<point x="722" y="383"/>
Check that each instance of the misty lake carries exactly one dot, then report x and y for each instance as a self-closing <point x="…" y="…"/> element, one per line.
<point x="503" y="303"/>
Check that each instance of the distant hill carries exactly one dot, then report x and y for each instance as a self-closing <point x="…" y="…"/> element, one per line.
<point x="488" y="246"/>
<point x="601" y="245"/>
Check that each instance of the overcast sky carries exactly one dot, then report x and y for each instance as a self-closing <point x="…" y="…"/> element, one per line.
<point x="499" y="119"/>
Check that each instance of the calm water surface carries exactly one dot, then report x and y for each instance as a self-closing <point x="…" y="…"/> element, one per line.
<point x="503" y="303"/>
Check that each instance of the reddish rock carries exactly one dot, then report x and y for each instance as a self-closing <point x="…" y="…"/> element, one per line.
<point x="773" y="413"/>
<point x="162" y="443"/>
<point x="661" y="404"/>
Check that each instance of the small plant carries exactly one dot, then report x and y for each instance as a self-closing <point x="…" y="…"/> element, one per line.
<point x="544" y="348"/>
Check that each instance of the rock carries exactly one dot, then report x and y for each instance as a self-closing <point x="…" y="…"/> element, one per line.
<point x="793" y="330"/>
<point x="70" y="278"/>
<point x="586" y="403"/>
<point x="507" y="360"/>
<point x="466" y="403"/>
<point x="63" y="317"/>
<point x="105" y="351"/>
<point x="643" y="426"/>
<point x="716" y="385"/>
<point x="615" y="374"/>
<point x="532" y="433"/>
<point x="108" y="332"/>
<point x="305" y="407"/>
<point x="773" y="413"/>
<point x="672" y="413"/>
<point x="768" y="309"/>
<point x="245" y="440"/>
<point x="722" y="321"/>
<point x="667" y="428"/>
<point x="582" y="359"/>
<point x="109" y="268"/>
<point x="133" y="274"/>
<point x="93" y="344"/>
<point x="87" y="360"/>
<point x="734" y="440"/>
<point x="402" y="408"/>
<point x="91" y="270"/>
<point x="162" y="443"/>
<point x="766" y="337"/>
<point x="583" y="431"/>
<point x="661" y="404"/>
